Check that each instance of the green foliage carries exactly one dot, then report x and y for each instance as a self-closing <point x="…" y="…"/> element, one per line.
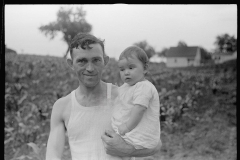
<point x="198" y="105"/>
<point x="146" y="47"/>
<point x="68" y="22"/>
<point x="9" y="49"/>
<point x="198" y="111"/>
<point x="226" y="43"/>
<point x="182" y="44"/>
<point x="163" y="52"/>
<point x="206" y="57"/>
<point x="32" y="85"/>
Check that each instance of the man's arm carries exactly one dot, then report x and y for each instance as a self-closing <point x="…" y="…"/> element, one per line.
<point x="116" y="146"/>
<point x="146" y="152"/>
<point x="56" y="138"/>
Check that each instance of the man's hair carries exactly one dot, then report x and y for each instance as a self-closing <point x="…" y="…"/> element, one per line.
<point x="138" y="52"/>
<point x="83" y="40"/>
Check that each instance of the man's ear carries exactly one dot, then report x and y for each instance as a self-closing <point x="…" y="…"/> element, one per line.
<point x="70" y="63"/>
<point x="106" y="59"/>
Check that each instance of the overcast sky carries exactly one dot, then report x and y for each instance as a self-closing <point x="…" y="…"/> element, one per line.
<point x="162" y="26"/>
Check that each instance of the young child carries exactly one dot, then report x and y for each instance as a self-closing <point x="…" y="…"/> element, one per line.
<point x="136" y="112"/>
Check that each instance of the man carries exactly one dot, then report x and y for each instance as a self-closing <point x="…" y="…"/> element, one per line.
<point x="85" y="113"/>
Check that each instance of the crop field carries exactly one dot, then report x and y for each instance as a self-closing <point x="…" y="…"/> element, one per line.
<point x="198" y="107"/>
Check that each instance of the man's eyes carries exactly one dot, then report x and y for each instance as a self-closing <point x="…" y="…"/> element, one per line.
<point x="85" y="61"/>
<point x="82" y="61"/>
<point x="97" y="60"/>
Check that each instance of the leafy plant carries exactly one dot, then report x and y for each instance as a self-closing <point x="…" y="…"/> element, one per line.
<point x="196" y="103"/>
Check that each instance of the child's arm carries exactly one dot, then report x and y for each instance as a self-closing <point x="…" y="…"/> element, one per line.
<point x="135" y="117"/>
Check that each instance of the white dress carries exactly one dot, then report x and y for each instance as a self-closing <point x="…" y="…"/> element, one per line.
<point x="147" y="133"/>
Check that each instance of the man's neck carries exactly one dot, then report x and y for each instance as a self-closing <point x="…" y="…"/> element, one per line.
<point x="91" y="91"/>
<point x="92" y="96"/>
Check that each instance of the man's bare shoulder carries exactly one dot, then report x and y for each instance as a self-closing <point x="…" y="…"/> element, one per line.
<point x="62" y="103"/>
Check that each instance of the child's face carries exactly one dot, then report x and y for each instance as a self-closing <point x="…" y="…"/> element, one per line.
<point x="131" y="70"/>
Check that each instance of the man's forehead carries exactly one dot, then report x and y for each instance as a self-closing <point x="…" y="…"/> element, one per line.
<point x="95" y="50"/>
<point x="96" y="47"/>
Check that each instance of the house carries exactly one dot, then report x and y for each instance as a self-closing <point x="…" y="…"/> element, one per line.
<point x="184" y="56"/>
<point x="223" y="57"/>
<point x="157" y="59"/>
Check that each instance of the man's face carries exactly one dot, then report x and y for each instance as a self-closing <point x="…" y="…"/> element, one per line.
<point x="88" y="64"/>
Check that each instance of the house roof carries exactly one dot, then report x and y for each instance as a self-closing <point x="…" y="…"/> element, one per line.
<point x="182" y="52"/>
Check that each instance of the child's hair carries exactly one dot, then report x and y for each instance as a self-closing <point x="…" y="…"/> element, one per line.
<point x="138" y="52"/>
<point x="83" y="40"/>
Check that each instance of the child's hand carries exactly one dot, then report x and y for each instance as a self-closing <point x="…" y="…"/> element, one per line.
<point x="122" y="129"/>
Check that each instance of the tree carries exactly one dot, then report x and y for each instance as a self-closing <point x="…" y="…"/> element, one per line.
<point x="69" y="23"/>
<point x="225" y="43"/>
<point x="182" y="44"/>
<point x="205" y="55"/>
<point x="163" y="52"/>
<point x="9" y="50"/>
<point x="146" y="47"/>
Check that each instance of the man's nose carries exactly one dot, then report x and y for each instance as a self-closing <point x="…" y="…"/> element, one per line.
<point x="90" y="67"/>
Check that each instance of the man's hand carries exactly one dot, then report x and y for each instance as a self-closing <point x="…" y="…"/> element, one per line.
<point x="115" y="145"/>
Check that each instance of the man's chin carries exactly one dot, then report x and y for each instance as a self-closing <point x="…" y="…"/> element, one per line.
<point x="90" y="83"/>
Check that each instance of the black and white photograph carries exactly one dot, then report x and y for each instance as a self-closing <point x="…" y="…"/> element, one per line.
<point x="120" y="81"/>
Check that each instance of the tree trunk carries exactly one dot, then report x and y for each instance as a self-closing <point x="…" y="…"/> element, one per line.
<point x="65" y="56"/>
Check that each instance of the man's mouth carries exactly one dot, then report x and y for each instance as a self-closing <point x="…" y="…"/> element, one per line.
<point x="89" y="75"/>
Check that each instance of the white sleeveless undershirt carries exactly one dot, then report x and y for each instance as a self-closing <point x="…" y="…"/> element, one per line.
<point x="85" y="127"/>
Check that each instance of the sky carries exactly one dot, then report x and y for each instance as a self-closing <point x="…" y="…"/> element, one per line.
<point x="122" y="25"/>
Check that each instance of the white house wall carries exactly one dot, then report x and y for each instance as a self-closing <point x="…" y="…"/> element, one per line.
<point x="197" y="58"/>
<point x="177" y="62"/>
<point x="224" y="58"/>
<point x="183" y="62"/>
